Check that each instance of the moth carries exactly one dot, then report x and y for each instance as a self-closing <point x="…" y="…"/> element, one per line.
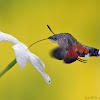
<point x="70" y="49"/>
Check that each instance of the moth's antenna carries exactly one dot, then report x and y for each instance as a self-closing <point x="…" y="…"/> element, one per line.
<point x="37" y="42"/>
<point x="50" y="29"/>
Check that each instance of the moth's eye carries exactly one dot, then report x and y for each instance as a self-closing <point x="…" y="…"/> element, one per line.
<point x="55" y="38"/>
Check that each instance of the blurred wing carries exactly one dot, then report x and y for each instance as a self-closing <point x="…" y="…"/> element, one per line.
<point x="68" y="56"/>
<point x="58" y="53"/>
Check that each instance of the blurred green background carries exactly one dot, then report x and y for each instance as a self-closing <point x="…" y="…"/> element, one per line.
<point x="27" y="20"/>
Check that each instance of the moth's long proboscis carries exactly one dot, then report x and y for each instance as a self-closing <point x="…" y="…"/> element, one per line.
<point x="37" y="42"/>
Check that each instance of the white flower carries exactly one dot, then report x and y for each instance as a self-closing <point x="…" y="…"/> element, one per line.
<point x="23" y="55"/>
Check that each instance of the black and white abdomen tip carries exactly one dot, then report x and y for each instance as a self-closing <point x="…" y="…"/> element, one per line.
<point x="94" y="52"/>
<point x="99" y="53"/>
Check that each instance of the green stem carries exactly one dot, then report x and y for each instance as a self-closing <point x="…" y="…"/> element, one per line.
<point x="8" y="67"/>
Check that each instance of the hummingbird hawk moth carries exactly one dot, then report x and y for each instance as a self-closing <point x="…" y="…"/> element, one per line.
<point x="69" y="48"/>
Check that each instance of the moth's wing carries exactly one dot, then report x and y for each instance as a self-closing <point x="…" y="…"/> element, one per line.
<point x="58" y="53"/>
<point x="68" y="56"/>
<point x="71" y="56"/>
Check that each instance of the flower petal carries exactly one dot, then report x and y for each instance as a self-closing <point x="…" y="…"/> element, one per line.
<point x="7" y="37"/>
<point x="21" y="55"/>
<point x="34" y="62"/>
<point x="45" y="77"/>
<point x="38" y="64"/>
<point x="37" y="59"/>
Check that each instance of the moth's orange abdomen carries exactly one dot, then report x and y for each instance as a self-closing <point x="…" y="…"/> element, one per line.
<point x="80" y="49"/>
<point x="86" y="51"/>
